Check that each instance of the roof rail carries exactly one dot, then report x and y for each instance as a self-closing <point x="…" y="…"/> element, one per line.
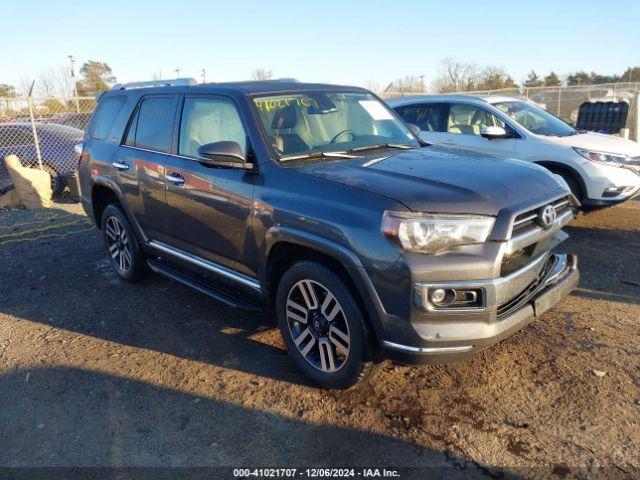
<point x="176" y="82"/>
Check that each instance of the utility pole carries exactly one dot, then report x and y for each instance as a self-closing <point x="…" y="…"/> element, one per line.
<point x="204" y="75"/>
<point x="421" y="77"/>
<point x="72" y="71"/>
<point x="177" y="70"/>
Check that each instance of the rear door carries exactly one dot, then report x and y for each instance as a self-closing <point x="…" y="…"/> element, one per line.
<point x="463" y="124"/>
<point x="208" y="208"/>
<point x="139" y="164"/>
<point x="429" y="117"/>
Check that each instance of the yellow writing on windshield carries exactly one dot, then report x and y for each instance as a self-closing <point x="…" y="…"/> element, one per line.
<point x="276" y="103"/>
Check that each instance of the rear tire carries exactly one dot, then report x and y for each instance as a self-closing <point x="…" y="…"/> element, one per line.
<point x="323" y="327"/>
<point x="125" y="255"/>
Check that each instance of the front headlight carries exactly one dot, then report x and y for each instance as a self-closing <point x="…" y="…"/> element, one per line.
<point x="602" y="157"/>
<point x="426" y="233"/>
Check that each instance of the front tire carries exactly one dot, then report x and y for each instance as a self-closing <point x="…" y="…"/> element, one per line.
<point x="126" y="256"/>
<point x="573" y="184"/>
<point x="323" y="327"/>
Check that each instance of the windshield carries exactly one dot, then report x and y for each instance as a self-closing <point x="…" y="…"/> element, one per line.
<point x="535" y="119"/>
<point x="311" y="123"/>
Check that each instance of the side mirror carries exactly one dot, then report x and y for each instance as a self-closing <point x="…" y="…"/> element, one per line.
<point x="223" y="154"/>
<point x="414" y="129"/>
<point x="493" y="133"/>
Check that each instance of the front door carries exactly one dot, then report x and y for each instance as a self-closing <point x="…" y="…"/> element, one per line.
<point x="463" y="126"/>
<point x="209" y="208"/>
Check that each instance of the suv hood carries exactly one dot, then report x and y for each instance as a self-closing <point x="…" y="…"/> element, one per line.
<point x="599" y="142"/>
<point x="436" y="180"/>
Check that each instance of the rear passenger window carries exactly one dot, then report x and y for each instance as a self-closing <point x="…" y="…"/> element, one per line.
<point x="427" y="116"/>
<point x="152" y="127"/>
<point x="104" y="116"/>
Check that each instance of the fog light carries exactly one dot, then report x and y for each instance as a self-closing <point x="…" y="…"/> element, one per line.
<point x="613" y="191"/>
<point x="455" y="298"/>
<point x="438" y="295"/>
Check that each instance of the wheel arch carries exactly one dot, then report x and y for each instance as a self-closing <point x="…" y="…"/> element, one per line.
<point x="286" y="246"/>
<point x="557" y="167"/>
<point x="105" y="191"/>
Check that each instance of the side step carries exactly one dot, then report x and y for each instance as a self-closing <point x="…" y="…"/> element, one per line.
<point x="227" y="296"/>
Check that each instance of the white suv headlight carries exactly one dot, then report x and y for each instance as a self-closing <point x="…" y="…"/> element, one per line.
<point x="426" y="233"/>
<point x="602" y="157"/>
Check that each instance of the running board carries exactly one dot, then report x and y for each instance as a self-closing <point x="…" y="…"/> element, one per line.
<point x="224" y="295"/>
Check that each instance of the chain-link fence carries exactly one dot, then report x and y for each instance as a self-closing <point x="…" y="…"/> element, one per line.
<point x="565" y="102"/>
<point x="43" y="132"/>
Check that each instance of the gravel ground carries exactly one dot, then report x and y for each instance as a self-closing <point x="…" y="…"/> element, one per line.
<point x="98" y="373"/>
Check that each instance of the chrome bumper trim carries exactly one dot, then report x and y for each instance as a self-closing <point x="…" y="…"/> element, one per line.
<point x="407" y="348"/>
<point x="495" y="291"/>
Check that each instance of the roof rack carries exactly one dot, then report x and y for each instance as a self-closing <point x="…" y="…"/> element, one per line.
<point x="176" y="82"/>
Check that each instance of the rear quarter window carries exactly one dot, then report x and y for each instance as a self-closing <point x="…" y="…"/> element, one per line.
<point x="104" y="116"/>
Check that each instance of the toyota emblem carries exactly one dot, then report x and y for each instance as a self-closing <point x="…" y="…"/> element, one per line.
<point x="547" y="216"/>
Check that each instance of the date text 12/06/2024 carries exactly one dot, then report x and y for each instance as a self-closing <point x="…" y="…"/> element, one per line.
<point x="316" y="473"/>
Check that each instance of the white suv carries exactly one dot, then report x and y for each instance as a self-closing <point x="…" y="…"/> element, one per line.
<point x="599" y="169"/>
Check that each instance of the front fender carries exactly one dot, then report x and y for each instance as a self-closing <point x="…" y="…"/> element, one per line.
<point x="340" y="253"/>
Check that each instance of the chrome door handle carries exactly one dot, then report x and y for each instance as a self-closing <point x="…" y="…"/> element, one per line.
<point x="449" y="143"/>
<point x="120" y="166"/>
<point x="175" y="178"/>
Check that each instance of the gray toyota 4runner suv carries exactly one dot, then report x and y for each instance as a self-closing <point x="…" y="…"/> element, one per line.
<point x="319" y="203"/>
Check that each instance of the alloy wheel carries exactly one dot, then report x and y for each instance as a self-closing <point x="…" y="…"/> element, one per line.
<point x="318" y="326"/>
<point x="118" y="244"/>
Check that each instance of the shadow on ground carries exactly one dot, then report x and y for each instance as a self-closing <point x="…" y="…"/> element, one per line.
<point x="70" y="417"/>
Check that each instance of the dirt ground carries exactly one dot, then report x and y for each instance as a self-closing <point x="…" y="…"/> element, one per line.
<point x="98" y="373"/>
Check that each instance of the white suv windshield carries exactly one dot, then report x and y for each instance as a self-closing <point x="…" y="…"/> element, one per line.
<point x="310" y="122"/>
<point x="535" y="119"/>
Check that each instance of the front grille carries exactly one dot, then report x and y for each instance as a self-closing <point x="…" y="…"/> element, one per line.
<point x="523" y="297"/>
<point x="527" y="221"/>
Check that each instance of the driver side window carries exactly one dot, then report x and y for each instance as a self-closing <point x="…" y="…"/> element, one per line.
<point x="469" y="119"/>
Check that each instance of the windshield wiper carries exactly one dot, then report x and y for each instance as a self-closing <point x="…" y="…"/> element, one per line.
<point x="381" y="145"/>
<point x="312" y="155"/>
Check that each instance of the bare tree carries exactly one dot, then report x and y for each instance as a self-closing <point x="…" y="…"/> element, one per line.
<point x="454" y="76"/>
<point x="24" y="85"/>
<point x="261" y="74"/>
<point x="45" y="84"/>
<point x="408" y="84"/>
<point x="372" y="85"/>
<point x="55" y="82"/>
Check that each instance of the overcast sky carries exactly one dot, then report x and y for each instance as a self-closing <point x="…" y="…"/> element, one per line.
<point x="349" y="42"/>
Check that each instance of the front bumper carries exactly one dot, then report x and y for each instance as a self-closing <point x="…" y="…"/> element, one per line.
<point x="600" y="178"/>
<point x="510" y="304"/>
